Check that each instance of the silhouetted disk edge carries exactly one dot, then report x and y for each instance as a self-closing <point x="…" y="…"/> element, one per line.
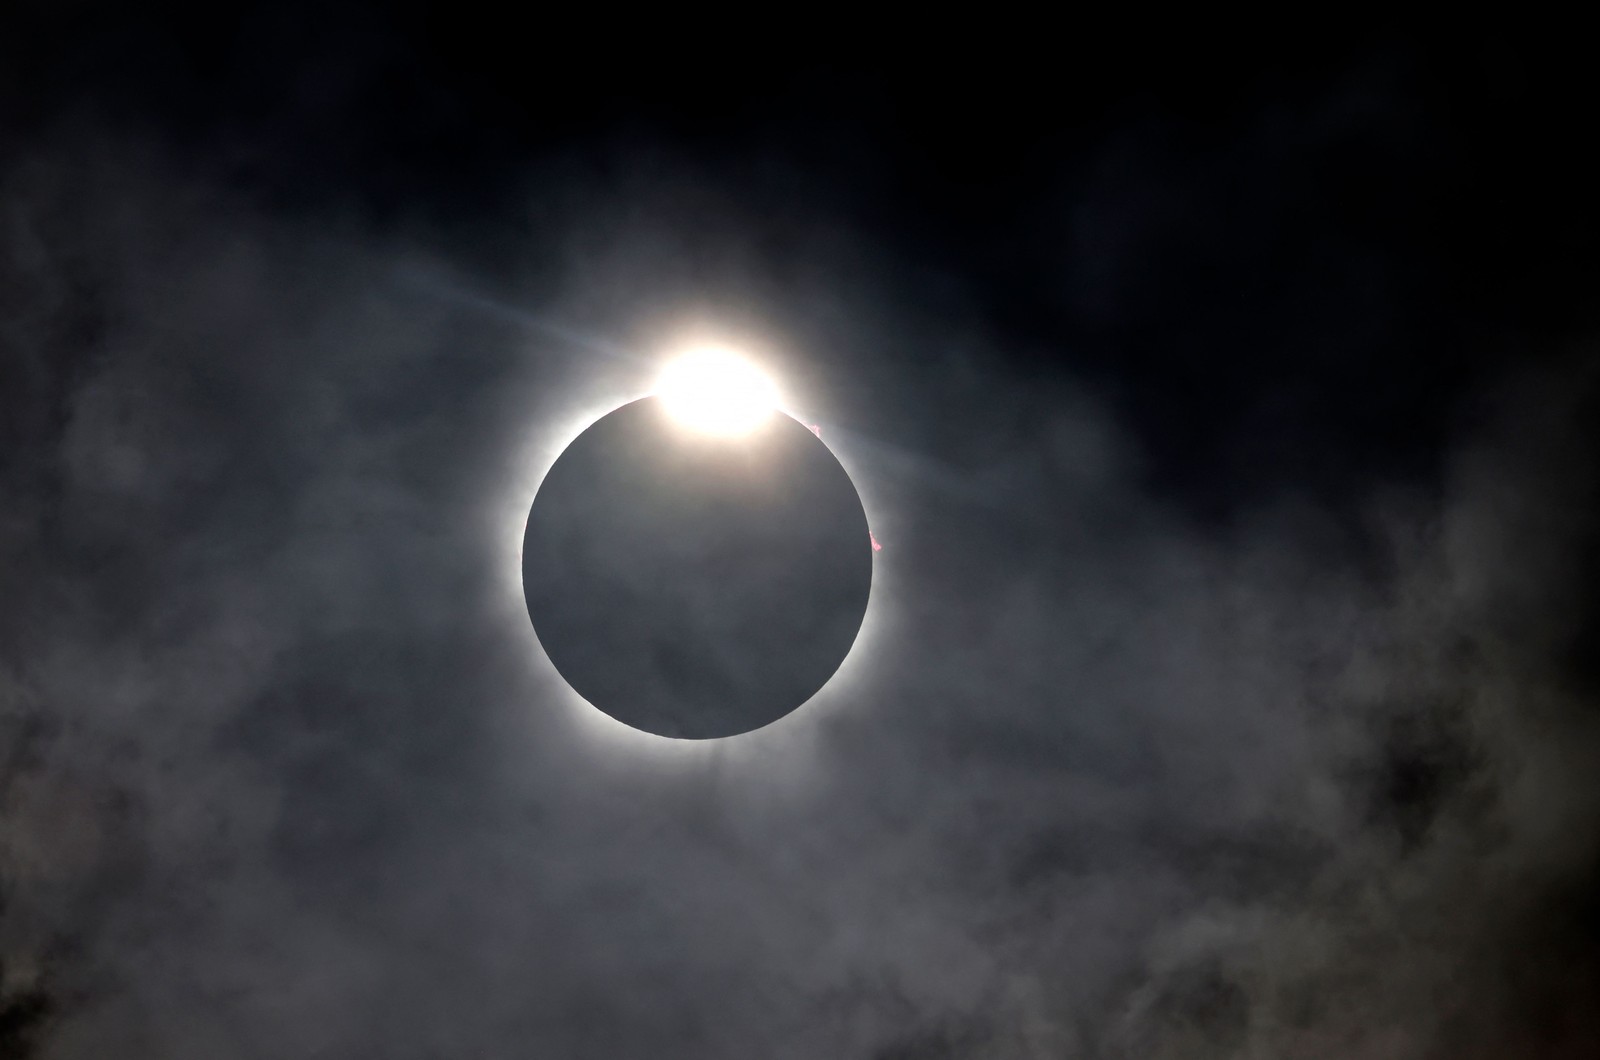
<point x="695" y="586"/>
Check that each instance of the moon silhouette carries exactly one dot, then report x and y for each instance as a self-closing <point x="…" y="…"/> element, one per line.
<point x="691" y="585"/>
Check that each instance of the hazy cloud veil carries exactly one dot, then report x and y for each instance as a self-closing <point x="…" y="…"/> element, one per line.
<point x="284" y="773"/>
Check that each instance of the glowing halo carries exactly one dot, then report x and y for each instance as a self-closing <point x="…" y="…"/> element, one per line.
<point x="696" y="591"/>
<point x="533" y="456"/>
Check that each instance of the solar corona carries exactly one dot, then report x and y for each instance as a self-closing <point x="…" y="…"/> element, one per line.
<point x="697" y="563"/>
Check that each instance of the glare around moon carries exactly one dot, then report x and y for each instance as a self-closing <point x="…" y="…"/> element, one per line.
<point x="716" y="391"/>
<point x="691" y="586"/>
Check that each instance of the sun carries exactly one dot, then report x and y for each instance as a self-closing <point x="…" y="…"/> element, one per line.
<point x="717" y="391"/>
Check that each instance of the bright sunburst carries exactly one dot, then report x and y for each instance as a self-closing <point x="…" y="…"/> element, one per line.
<point x="717" y="391"/>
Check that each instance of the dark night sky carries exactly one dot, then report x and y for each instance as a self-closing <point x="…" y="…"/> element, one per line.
<point x="1225" y="405"/>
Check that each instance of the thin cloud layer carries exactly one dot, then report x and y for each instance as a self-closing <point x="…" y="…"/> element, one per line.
<point x="286" y="774"/>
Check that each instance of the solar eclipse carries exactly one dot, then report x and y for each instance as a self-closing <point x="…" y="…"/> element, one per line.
<point x="697" y="563"/>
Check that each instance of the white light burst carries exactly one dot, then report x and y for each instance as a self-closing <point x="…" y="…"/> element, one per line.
<point x="717" y="391"/>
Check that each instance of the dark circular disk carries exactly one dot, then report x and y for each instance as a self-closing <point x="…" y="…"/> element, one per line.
<point x="693" y="585"/>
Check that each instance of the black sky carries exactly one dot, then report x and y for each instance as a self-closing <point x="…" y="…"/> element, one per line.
<point x="1225" y="405"/>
